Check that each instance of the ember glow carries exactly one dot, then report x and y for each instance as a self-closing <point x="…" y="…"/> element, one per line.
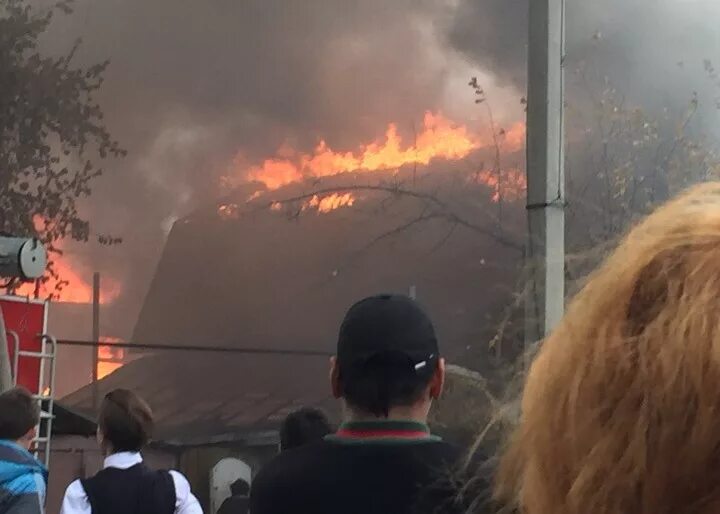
<point x="509" y="185"/>
<point x="439" y="138"/>
<point x="74" y="282"/>
<point x="109" y="358"/>
<point x="325" y="204"/>
<point x="228" y="211"/>
<point x="75" y="287"/>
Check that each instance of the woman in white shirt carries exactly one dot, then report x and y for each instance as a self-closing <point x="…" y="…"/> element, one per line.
<point x="125" y="485"/>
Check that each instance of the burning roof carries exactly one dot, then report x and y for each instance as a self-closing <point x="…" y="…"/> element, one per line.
<point x="278" y="268"/>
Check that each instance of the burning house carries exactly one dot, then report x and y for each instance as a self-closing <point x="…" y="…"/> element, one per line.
<point x="275" y="263"/>
<point x="276" y="266"/>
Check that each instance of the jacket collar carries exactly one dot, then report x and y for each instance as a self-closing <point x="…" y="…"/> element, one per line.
<point x="383" y="430"/>
<point x="17" y="459"/>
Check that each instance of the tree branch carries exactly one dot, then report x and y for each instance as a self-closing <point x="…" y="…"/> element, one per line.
<point x="440" y="209"/>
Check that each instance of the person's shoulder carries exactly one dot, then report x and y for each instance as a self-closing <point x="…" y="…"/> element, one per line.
<point x="275" y="486"/>
<point x="185" y="500"/>
<point x="75" y="499"/>
<point x="181" y="483"/>
<point x="235" y="505"/>
<point x="291" y="467"/>
<point x="442" y="450"/>
<point x="30" y="482"/>
<point x="292" y="462"/>
<point x="75" y="490"/>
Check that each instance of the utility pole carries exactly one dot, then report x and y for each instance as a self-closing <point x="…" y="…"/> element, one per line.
<point x="95" y="337"/>
<point x="545" y="253"/>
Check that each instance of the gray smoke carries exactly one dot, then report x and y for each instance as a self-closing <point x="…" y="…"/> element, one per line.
<point x="193" y="84"/>
<point x="652" y="50"/>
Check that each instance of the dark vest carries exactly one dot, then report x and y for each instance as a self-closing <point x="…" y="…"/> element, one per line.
<point x="135" y="490"/>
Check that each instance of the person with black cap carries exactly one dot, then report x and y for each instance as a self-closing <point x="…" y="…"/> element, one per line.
<point x="383" y="458"/>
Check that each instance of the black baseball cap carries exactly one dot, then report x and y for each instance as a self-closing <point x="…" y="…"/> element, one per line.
<point x="387" y="324"/>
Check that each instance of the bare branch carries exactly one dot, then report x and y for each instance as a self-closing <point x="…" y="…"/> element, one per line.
<point x="445" y="238"/>
<point x="440" y="208"/>
<point x="400" y="229"/>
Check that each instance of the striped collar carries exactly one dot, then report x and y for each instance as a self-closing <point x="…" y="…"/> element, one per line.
<point x="385" y="430"/>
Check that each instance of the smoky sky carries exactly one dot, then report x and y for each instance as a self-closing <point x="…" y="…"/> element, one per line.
<point x="193" y="84"/>
<point x="637" y="44"/>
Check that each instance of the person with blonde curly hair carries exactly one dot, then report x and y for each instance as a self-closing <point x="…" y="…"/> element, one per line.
<point x="621" y="406"/>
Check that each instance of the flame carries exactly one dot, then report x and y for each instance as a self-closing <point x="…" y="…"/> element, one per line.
<point x="509" y="184"/>
<point x="228" y="211"/>
<point x="440" y="138"/>
<point x="109" y="359"/>
<point x="329" y="203"/>
<point x="76" y="290"/>
<point x="514" y="137"/>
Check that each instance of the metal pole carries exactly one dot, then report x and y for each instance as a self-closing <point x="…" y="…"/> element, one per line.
<point x="545" y="169"/>
<point x="95" y="336"/>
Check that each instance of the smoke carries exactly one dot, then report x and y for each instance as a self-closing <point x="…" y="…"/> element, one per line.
<point x="652" y="50"/>
<point x="195" y="86"/>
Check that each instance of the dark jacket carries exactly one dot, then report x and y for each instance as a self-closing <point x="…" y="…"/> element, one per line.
<point x="379" y="467"/>
<point x="23" y="481"/>
<point x="235" y="505"/>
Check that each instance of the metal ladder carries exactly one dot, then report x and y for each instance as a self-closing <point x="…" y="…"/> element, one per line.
<point x="46" y="389"/>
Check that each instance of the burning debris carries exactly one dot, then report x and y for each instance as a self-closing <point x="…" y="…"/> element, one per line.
<point x="506" y="185"/>
<point x="228" y="211"/>
<point x="325" y="204"/>
<point x="110" y="358"/>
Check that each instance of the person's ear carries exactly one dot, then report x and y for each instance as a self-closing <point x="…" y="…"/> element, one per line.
<point x="335" y="378"/>
<point x="100" y="438"/>
<point x="437" y="382"/>
<point x="26" y="440"/>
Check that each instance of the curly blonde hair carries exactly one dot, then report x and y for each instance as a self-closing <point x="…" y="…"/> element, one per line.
<point x="621" y="407"/>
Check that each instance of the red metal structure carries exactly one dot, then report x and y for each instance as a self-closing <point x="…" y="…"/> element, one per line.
<point x="32" y="353"/>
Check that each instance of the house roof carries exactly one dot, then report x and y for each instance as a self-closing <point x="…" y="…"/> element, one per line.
<point x="68" y="421"/>
<point x="277" y="280"/>
<point x="204" y="397"/>
<point x="194" y="404"/>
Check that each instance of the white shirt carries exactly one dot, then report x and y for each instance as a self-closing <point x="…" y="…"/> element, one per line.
<point x="76" y="501"/>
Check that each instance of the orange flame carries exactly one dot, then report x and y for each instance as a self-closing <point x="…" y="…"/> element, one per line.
<point x="228" y="211"/>
<point x="76" y="290"/>
<point x="440" y="138"/>
<point x="509" y="184"/>
<point x="109" y="359"/>
<point x="329" y="203"/>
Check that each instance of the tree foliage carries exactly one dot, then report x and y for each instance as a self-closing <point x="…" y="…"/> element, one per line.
<point x="623" y="160"/>
<point x="52" y="133"/>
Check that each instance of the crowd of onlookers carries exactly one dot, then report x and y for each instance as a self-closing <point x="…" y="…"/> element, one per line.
<point x="620" y="413"/>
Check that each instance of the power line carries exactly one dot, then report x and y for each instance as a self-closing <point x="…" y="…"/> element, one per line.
<point x="193" y="348"/>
